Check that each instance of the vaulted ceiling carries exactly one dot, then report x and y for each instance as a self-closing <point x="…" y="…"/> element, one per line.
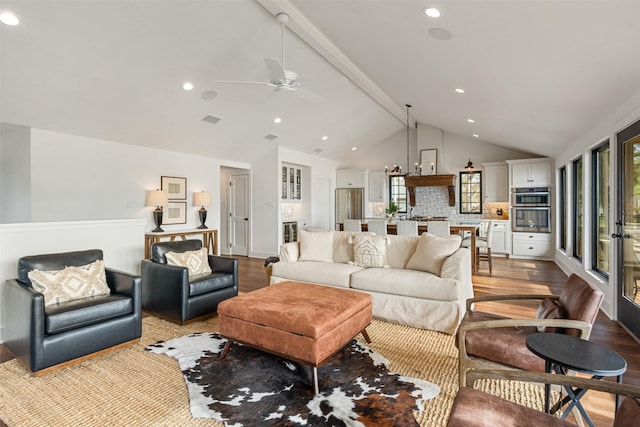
<point x="536" y="74"/>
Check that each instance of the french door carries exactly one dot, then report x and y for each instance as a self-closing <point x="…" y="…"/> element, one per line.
<point x="628" y="228"/>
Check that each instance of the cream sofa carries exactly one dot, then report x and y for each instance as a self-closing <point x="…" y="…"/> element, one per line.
<point x="423" y="282"/>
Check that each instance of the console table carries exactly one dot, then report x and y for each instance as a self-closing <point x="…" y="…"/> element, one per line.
<point x="209" y="239"/>
<point x="565" y="352"/>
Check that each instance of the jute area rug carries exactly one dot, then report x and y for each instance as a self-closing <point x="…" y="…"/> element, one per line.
<point x="132" y="387"/>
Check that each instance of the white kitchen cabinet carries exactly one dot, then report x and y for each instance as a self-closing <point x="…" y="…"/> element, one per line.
<point x="501" y="237"/>
<point x="530" y="172"/>
<point x="377" y="187"/>
<point x="496" y="182"/>
<point x="291" y="180"/>
<point x="350" y="178"/>
<point x="531" y="245"/>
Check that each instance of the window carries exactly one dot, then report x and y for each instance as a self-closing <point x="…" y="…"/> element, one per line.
<point x="600" y="209"/>
<point x="578" y="217"/>
<point x="562" y="208"/>
<point x="471" y="192"/>
<point x="398" y="192"/>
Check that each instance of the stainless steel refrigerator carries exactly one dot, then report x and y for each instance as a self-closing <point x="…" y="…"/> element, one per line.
<point x="349" y="204"/>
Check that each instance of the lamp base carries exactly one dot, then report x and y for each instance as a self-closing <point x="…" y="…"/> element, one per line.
<point x="157" y="218"/>
<point x="202" y="214"/>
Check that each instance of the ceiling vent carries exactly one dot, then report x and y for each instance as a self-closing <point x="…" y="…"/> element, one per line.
<point x="318" y="150"/>
<point x="211" y="119"/>
<point x="270" y="136"/>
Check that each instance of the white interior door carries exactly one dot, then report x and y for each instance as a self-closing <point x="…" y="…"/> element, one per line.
<point x="239" y="215"/>
<point x="322" y="204"/>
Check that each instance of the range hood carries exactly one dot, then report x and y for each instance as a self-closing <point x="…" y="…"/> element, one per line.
<point x="449" y="181"/>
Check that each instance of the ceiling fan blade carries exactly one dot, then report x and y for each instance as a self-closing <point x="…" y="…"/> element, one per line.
<point x="245" y="82"/>
<point x="276" y="72"/>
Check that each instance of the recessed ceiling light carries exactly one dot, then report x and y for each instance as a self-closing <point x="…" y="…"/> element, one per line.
<point x="277" y="120"/>
<point x="475" y="135"/>
<point x="9" y="18"/>
<point x="432" y="12"/>
<point x="187" y="86"/>
<point x="459" y="90"/>
<point x="471" y="120"/>
<point x="354" y="148"/>
<point x="324" y="138"/>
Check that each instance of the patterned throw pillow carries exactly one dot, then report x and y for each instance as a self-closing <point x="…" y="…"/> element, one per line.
<point x="369" y="251"/>
<point x="197" y="262"/>
<point x="71" y="283"/>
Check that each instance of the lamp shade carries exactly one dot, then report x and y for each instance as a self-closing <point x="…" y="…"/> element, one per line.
<point x="202" y="198"/>
<point x="157" y="198"/>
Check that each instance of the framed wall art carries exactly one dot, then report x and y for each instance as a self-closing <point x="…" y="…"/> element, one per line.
<point x="176" y="187"/>
<point x="428" y="160"/>
<point x="175" y="213"/>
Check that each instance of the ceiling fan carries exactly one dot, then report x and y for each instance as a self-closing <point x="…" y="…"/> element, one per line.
<point x="280" y="78"/>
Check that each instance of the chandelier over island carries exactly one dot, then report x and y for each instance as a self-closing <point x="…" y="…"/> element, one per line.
<point x="397" y="169"/>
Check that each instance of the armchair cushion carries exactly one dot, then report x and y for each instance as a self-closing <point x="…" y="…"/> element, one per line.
<point x="475" y="408"/>
<point x="209" y="282"/>
<point x="86" y="311"/>
<point x="196" y="262"/>
<point x="580" y="301"/>
<point x="505" y="346"/>
<point x="70" y="283"/>
<point x="629" y="412"/>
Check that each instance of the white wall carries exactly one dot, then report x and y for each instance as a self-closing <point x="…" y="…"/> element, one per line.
<point x="15" y="173"/>
<point x="619" y="119"/>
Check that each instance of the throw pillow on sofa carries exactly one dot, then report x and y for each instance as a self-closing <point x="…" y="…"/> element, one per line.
<point x="316" y="246"/>
<point x="71" y="283"/>
<point x="196" y="262"/>
<point x="369" y="251"/>
<point x="432" y="251"/>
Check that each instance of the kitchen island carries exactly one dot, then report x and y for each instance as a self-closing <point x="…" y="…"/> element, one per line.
<point x="392" y="228"/>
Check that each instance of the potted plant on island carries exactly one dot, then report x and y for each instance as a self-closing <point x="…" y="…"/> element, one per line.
<point x="392" y="210"/>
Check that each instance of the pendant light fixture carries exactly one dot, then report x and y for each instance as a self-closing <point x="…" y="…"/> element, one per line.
<point x="397" y="170"/>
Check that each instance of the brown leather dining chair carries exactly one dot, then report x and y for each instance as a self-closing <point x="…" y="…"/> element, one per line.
<point x="475" y="408"/>
<point x="487" y="340"/>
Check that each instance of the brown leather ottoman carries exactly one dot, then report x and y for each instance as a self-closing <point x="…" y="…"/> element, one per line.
<point x="298" y="321"/>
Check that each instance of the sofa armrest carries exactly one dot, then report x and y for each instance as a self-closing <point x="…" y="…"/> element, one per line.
<point x="222" y="264"/>
<point x="458" y="267"/>
<point x="290" y="252"/>
<point x="125" y="283"/>
<point x="24" y="318"/>
<point x="163" y="285"/>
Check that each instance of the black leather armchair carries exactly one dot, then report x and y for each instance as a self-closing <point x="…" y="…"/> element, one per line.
<point x="168" y="293"/>
<point x="47" y="338"/>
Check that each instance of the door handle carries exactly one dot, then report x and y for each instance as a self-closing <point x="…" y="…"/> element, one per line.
<point x="616" y="235"/>
<point x="246" y="219"/>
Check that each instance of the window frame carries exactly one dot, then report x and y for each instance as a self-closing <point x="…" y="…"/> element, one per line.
<point x="562" y="208"/>
<point x="392" y="193"/>
<point x="461" y="189"/>
<point x="599" y="178"/>
<point x="578" y="205"/>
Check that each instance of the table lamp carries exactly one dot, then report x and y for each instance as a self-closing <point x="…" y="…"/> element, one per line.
<point x="157" y="198"/>
<point x="202" y="199"/>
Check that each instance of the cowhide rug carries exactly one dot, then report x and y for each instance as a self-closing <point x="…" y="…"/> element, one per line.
<point x="253" y="388"/>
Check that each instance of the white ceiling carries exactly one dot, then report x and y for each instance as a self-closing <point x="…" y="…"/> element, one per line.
<point x="537" y="74"/>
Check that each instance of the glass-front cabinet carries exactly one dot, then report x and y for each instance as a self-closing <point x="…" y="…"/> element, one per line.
<point x="291" y="181"/>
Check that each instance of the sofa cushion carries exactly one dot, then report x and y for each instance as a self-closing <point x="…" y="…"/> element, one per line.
<point x="369" y="251"/>
<point x="196" y="262"/>
<point x="334" y="274"/>
<point x="86" y="311"/>
<point x="400" y="250"/>
<point x="431" y="252"/>
<point x="410" y="283"/>
<point x="209" y="282"/>
<point x="70" y="283"/>
<point x="316" y="246"/>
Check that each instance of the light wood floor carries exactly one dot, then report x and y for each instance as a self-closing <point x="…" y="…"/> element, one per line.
<point x="509" y="276"/>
